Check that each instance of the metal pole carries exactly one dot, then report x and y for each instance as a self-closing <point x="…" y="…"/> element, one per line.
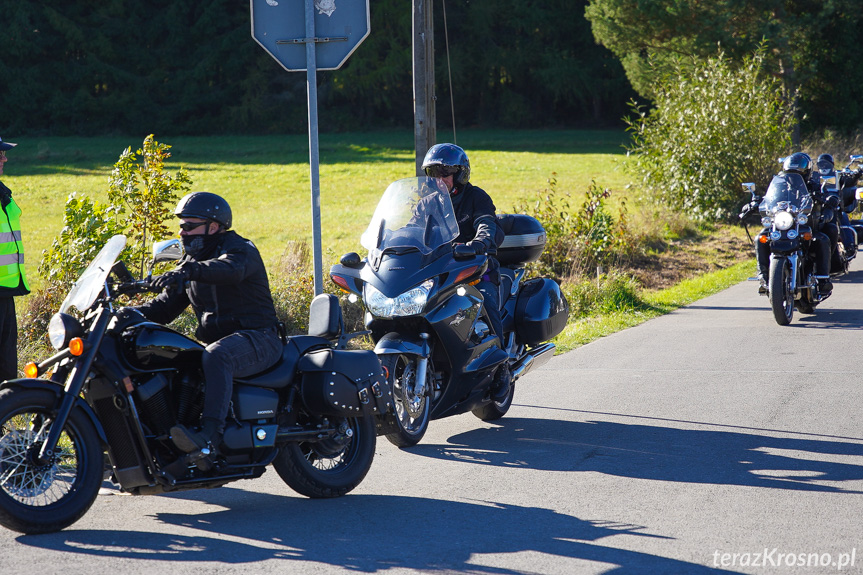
<point x="312" y="89"/>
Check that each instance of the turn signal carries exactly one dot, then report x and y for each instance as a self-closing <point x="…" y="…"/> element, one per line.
<point x="762" y="239"/>
<point x="31" y="370"/>
<point x="76" y="346"/>
<point x="807" y="236"/>
<point x="341" y="282"/>
<point x="465" y="273"/>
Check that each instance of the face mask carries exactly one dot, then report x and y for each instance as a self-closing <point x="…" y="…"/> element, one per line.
<point x="197" y="245"/>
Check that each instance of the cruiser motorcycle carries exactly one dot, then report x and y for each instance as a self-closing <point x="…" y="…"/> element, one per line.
<point x="119" y="382"/>
<point x="426" y="315"/>
<point x="788" y="213"/>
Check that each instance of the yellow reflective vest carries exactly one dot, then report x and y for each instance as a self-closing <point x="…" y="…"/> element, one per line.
<point x="11" y="248"/>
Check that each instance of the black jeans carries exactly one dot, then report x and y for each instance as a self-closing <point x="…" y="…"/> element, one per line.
<point x="240" y="354"/>
<point x="8" y="339"/>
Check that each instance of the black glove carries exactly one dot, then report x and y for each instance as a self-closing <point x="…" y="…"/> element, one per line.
<point x="832" y="201"/>
<point x="468" y="250"/>
<point x="174" y="280"/>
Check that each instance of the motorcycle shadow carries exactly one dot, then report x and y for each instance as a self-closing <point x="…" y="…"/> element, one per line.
<point x="357" y="533"/>
<point x="659" y="453"/>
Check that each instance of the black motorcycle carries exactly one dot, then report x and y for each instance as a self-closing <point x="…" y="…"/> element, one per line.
<point x="788" y="212"/>
<point x="120" y="382"/>
<point x="426" y="315"/>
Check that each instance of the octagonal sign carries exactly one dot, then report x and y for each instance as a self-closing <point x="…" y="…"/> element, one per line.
<point x="279" y="26"/>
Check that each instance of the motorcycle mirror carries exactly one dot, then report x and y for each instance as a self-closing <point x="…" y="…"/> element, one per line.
<point x="856" y="158"/>
<point x="165" y="251"/>
<point x="828" y="182"/>
<point x="749" y="188"/>
<point x="350" y="260"/>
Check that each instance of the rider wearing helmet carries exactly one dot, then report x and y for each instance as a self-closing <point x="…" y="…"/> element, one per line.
<point x="478" y="233"/>
<point x="797" y="163"/>
<point x="223" y="278"/>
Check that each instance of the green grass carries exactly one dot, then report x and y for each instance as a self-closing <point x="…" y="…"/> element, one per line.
<point x="266" y="179"/>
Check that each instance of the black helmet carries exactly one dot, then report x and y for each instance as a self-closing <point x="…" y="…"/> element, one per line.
<point x="447" y="159"/>
<point x="825" y="164"/>
<point x="798" y="162"/>
<point x="206" y="206"/>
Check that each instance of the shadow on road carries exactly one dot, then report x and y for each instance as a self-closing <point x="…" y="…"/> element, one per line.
<point x="369" y="533"/>
<point x="659" y="453"/>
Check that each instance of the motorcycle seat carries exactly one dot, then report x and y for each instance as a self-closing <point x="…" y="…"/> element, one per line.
<point x="281" y="374"/>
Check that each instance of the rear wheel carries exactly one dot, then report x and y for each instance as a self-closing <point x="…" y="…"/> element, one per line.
<point x="780" y="294"/>
<point x="495" y="410"/>
<point x="412" y="403"/>
<point x="44" y="497"/>
<point x="332" y="467"/>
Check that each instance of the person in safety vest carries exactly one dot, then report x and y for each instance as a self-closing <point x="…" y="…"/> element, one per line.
<point x="13" y="282"/>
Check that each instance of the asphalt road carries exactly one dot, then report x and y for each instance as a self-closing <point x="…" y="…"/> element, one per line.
<point x="706" y="440"/>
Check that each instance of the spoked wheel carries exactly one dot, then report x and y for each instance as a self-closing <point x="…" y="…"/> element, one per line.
<point x="412" y="402"/>
<point x="780" y="294"/>
<point x="333" y="466"/>
<point x="41" y="497"/>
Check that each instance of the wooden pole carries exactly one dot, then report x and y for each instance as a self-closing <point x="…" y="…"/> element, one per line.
<point x="425" y="120"/>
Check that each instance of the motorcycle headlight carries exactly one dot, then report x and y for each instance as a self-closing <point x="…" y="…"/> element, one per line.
<point x="61" y="329"/>
<point x="783" y="220"/>
<point x="410" y="302"/>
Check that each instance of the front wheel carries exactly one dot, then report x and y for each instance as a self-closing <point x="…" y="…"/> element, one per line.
<point x="42" y="498"/>
<point x="780" y="294"/>
<point x="333" y="466"/>
<point x="411" y="401"/>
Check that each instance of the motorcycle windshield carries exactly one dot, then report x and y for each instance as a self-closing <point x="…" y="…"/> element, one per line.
<point x="90" y="284"/>
<point x="787" y="192"/>
<point x="414" y="213"/>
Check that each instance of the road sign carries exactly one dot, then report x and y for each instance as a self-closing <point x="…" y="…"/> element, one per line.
<point x="340" y="26"/>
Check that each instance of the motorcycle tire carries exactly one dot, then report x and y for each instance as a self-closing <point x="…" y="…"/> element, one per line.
<point x="412" y="413"/>
<point x="779" y="291"/>
<point x="43" y="499"/>
<point x="329" y="468"/>
<point x="494" y="409"/>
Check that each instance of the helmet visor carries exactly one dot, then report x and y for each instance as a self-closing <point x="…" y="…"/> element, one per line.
<point x="441" y="171"/>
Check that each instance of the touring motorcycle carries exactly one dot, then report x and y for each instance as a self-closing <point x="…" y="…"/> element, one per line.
<point x="426" y="315"/>
<point x="119" y="382"/>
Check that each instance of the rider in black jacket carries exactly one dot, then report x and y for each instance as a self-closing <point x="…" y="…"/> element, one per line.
<point x="478" y="234"/>
<point x="223" y="278"/>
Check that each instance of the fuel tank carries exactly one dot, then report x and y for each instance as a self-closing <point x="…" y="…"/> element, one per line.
<point x="151" y="346"/>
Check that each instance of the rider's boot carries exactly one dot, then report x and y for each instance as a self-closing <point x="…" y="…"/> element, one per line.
<point x="201" y="445"/>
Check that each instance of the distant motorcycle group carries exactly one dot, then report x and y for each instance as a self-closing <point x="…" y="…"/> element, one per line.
<point x="120" y="384"/>
<point x="807" y="236"/>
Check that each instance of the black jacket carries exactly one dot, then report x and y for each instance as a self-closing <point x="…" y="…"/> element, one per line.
<point x="475" y="214"/>
<point x="228" y="290"/>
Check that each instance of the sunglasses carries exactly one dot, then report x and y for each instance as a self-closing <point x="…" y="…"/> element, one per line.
<point x="439" y="171"/>
<point x="189" y="226"/>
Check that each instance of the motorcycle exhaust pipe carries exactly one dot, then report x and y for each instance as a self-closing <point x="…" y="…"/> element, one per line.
<point x="537" y="357"/>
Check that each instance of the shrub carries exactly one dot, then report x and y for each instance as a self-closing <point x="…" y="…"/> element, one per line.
<point x="577" y="240"/>
<point x="714" y="126"/>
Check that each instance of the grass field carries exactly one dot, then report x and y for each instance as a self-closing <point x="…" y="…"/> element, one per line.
<point x="266" y="179"/>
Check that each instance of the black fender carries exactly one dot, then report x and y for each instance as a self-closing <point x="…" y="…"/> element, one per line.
<point x="58" y="392"/>
<point x="394" y="342"/>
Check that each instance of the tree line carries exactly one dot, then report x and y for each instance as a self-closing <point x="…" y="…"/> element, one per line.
<point x="121" y="66"/>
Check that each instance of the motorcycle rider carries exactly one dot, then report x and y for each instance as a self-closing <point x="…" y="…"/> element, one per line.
<point x="797" y="163"/>
<point x="478" y="234"/>
<point x="223" y="278"/>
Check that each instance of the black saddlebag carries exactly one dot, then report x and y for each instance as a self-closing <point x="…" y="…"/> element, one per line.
<point x="541" y="311"/>
<point x="524" y="241"/>
<point x="344" y="383"/>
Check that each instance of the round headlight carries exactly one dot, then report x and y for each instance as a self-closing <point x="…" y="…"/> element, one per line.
<point x="783" y="220"/>
<point x="61" y="329"/>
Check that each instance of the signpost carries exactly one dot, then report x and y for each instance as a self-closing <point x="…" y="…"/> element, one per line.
<point x="311" y="35"/>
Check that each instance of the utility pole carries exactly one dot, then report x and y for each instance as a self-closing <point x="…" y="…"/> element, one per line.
<point x="425" y="120"/>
